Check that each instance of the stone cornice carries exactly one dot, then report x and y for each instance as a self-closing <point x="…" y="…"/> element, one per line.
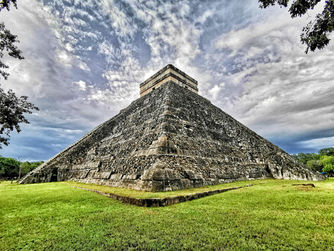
<point x="166" y="76"/>
<point x="169" y="66"/>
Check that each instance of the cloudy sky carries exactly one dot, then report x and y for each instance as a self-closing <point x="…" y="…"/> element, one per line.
<point x="84" y="61"/>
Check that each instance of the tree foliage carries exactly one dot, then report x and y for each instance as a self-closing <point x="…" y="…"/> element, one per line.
<point x="328" y="163"/>
<point x="327" y="151"/>
<point x="7" y="46"/>
<point x="315" y="33"/>
<point x="27" y="166"/>
<point x="12" y="108"/>
<point x="10" y="168"/>
<point x="5" y="4"/>
<point x="305" y="157"/>
<point x="321" y="162"/>
<point x="315" y="165"/>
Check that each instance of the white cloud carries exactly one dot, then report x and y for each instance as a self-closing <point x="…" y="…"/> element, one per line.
<point x="81" y="84"/>
<point x="119" y="20"/>
<point x="64" y="58"/>
<point x="318" y="143"/>
<point x="270" y="31"/>
<point x="292" y="93"/>
<point x="83" y="66"/>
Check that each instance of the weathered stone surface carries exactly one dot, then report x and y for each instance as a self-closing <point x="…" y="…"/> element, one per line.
<point x="170" y="139"/>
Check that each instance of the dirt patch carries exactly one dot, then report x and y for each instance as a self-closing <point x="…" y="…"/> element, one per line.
<point x="304" y="187"/>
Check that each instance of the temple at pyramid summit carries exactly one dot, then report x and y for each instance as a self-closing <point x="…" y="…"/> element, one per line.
<point x="170" y="138"/>
<point x="167" y="74"/>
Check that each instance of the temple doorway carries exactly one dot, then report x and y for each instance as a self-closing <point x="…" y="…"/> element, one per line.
<point x="54" y="175"/>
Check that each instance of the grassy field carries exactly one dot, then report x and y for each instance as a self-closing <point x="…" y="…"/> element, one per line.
<point x="270" y="215"/>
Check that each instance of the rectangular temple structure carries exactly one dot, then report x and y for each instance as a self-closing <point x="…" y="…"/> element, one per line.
<point x="168" y="73"/>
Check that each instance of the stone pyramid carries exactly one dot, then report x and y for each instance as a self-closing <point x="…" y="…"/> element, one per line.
<point x="170" y="138"/>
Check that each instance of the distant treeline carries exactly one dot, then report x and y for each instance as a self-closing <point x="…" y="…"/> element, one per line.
<point x="10" y="168"/>
<point x="323" y="161"/>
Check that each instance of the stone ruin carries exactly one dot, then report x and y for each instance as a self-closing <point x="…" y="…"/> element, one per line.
<point x="170" y="138"/>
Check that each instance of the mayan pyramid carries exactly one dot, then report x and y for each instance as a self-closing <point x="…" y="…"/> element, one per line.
<point x="170" y="138"/>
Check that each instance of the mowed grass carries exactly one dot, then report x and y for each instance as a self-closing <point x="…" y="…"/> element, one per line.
<point x="270" y="215"/>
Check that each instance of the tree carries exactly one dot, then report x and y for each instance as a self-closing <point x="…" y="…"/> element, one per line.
<point x="305" y="157"/>
<point x="315" y="33"/>
<point x="27" y="166"/>
<point x="327" y="151"/>
<point x="11" y="113"/>
<point x="7" y="44"/>
<point x="10" y="168"/>
<point x="12" y="107"/>
<point x="329" y="168"/>
<point x="328" y="163"/>
<point x="6" y="4"/>
<point x="315" y="165"/>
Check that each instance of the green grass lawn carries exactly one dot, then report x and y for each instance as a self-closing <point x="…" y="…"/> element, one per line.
<point x="270" y="215"/>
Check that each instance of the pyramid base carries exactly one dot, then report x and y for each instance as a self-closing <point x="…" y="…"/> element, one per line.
<point x="171" y="172"/>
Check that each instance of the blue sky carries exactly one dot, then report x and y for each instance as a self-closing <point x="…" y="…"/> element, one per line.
<point x="84" y="61"/>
